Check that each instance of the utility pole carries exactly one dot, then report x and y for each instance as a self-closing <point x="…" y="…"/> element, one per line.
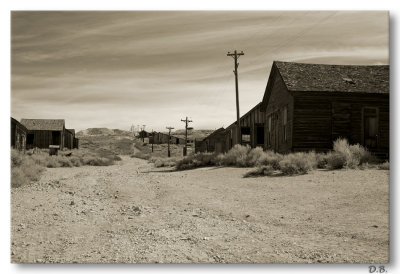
<point x="236" y="56"/>
<point x="152" y="140"/>
<point x="143" y="133"/>
<point x="186" y="129"/>
<point x="169" y="137"/>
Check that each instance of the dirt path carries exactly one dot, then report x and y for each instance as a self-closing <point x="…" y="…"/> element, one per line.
<point x="131" y="212"/>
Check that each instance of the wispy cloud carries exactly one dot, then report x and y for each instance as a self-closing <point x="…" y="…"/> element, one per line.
<point x="116" y="68"/>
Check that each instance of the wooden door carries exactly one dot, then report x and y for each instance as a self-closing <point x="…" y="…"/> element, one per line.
<point x="370" y="119"/>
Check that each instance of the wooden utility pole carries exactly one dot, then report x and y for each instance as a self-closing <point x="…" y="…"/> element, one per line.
<point x="186" y="129"/>
<point x="143" y="133"/>
<point x="152" y="140"/>
<point x="236" y="56"/>
<point x="169" y="137"/>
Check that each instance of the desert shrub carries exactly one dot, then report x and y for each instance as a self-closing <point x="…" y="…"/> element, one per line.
<point x="298" y="163"/>
<point x="270" y="158"/>
<point x="385" y="166"/>
<point x="16" y="158"/>
<point x="335" y="160"/>
<point x="23" y="169"/>
<point x="164" y="162"/>
<point x="322" y="160"/>
<point x="362" y="155"/>
<point x="260" y="171"/>
<point x="349" y="156"/>
<point x="197" y="160"/>
<point x="254" y="156"/>
<point x="237" y="156"/>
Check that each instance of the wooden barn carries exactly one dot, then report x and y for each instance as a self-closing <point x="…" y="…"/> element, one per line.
<point x="44" y="132"/>
<point x="18" y="135"/>
<point x="162" y="138"/>
<point x="252" y="129"/>
<point x="69" y="139"/>
<point x="215" y="142"/>
<point x="308" y="106"/>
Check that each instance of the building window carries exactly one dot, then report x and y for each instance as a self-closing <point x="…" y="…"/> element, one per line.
<point x="284" y="123"/>
<point x="269" y="129"/>
<point x="245" y="136"/>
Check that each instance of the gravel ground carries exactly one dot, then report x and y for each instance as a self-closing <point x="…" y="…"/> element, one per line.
<point x="133" y="213"/>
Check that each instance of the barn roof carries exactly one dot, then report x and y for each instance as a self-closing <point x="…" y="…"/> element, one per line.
<point x="217" y="131"/>
<point x="71" y="130"/>
<point x="334" y="78"/>
<point x="18" y="123"/>
<point x="43" y="124"/>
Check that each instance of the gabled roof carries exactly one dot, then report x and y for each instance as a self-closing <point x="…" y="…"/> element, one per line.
<point x="216" y="132"/>
<point x="44" y="124"/>
<point x="334" y="78"/>
<point x="18" y="123"/>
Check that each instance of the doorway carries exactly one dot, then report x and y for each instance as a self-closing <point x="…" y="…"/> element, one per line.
<point x="370" y="118"/>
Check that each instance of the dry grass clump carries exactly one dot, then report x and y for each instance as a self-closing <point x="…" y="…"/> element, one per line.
<point x="384" y="166"/>
<point x="197" y="160"/>
<point x="298" y="163"/>
<point x="23" y="169"/>
<point x="345" y="155"/>
<point x="260" y="171"/>
<point x="164" y="162"/>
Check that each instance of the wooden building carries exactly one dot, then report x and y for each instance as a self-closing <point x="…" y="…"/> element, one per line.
<point x="308" y="106"/>
<point x="45" y="132"/>
<point x="162" y="138"/>
<point x="215" y="142"/>
<point x="69" y="139"/>
<point x="252" y="129"/>
<point x="18" y="135"/>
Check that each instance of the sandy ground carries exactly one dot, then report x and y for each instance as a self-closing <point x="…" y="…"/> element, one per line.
<point x="134" y="213"/>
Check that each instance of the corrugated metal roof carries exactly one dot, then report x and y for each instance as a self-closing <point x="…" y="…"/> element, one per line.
<point x="43" y="124"/>
<point x="334" y="78"/>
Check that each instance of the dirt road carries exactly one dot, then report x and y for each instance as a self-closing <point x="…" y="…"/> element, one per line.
<point x="132" y="212"/>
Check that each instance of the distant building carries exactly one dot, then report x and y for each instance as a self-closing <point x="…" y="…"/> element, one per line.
<point x="18" y="135"/>
<point x="44" y="132"/>
<point x="215" y="142"/>
<point x="162" y="138"/>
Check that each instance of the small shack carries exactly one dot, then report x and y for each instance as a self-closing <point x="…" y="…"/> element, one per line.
<point x="215" y="142"/>
<point x="18" y="135"/>
<point x="42" y="133"/>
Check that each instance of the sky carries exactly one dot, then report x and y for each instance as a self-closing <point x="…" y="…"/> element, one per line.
<point x="154" y="68"/>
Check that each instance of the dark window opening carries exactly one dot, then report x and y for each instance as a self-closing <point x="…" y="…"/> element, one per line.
<point x="260" y="135"/>
<point x="30" y="138"/>
<point x="371" y="127"/>
<point x="284" y="122"/>
<point x="245" y="135"/>
<point x="56" y="138"/>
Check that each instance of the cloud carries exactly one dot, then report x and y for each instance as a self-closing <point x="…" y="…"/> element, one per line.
<point x="110" y="68"/>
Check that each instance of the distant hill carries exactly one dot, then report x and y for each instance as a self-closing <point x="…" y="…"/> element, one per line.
<point x="192" y="134"/>
<point x="102" y="131"/>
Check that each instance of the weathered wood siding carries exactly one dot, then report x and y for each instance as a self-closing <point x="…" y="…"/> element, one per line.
<point x="18" y="135"/>
<point x="76" y="143"/>
<point x="44" y="138"/>
<point x="321" y="118"/>
<point x="278" y="100"/>
<point x="251" y="120"/>
<point x="69" y="140"/>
